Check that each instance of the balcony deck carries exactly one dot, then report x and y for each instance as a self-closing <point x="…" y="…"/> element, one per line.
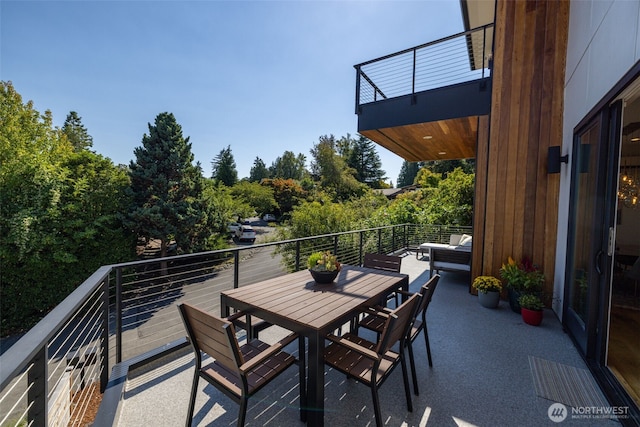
<point x="481" y="375"/>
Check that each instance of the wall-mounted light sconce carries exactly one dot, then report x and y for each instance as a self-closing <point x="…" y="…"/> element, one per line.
<point x="554" y="159"/>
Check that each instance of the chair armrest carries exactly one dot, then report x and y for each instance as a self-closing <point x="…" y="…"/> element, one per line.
<point x="235" y="316"/>
<point x="375" y="309"/>
<point x="273" y="349"/>
<point x="354" y="347"/>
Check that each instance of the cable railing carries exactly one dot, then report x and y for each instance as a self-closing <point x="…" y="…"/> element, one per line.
<point x="125" y="311"/>
<point x="448" y="61"/>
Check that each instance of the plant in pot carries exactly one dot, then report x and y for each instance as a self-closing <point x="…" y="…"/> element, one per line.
<point x="489" y="289"/>
<point x="531" y="309"/>
<point x="514" y="276"/>
<point x="522" y="278"/>
<point x="323" y="266"/>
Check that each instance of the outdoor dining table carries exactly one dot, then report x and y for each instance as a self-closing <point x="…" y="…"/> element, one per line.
<point x="297" y="303"/>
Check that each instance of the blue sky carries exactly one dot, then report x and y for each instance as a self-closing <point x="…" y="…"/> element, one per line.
<point x="260" y="76"/>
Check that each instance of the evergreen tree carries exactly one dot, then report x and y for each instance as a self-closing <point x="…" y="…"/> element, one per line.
<point x="76" y="132"/>
<point x="258" y="171"/>
<point x="224" y="167"/>
<point x="408" y="173"/>
<point x="364" y="159"/>
<point x="166" y="187"/>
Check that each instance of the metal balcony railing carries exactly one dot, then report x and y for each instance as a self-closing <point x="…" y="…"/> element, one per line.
<point x="125" y="311"/>
<point x="451" y="60"/>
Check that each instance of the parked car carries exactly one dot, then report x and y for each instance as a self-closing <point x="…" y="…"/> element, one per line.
<point x="269" y="217"/>
<point x="233" y="227"/>
<point x="246" y="233"/>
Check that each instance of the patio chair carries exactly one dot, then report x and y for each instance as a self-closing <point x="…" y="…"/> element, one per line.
<point x="252" y="324"/>
<point x="237" y="371"/>
<point x="386" y="263"/>
<point x="371" y="363"/>
<point x="375" y="321"/>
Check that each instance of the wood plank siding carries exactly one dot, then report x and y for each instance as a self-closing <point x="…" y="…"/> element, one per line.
<point x="516" y="205"/>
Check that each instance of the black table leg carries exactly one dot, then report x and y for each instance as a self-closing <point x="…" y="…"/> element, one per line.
<point x="315" y="394"/>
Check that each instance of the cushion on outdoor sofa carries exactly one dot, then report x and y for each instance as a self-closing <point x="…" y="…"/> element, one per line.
<point x="465" y="240"/>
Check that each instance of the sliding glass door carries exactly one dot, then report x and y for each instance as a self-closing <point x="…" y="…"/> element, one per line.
<point x="591" y="228"/>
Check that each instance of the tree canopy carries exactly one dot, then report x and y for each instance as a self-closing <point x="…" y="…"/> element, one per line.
<point x="289" y="166"/>
<point x="59" y="207"/>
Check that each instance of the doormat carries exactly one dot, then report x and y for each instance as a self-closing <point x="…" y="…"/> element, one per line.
<point x="565" y="384"/>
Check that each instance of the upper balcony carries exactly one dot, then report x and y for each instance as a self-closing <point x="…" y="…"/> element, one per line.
<point x="422" y="103"/>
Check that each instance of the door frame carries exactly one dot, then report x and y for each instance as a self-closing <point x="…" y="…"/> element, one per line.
<point x="586" y="333"/>
<point x="595" y="357"/>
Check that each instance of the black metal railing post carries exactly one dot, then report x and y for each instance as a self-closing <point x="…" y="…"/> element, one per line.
<point x="298" y="255"/>
<point x="118" y="310"/>
<point x="484" y="48"/>
<point x="393" y="239"/>
<point x="357" y="90"/>
<point x="236" y="268"/>
<point x="360" y="254"/>
<point x="413" y="74"/>
<point x="104" y="346"/>
<point x="335" y="244"/>
<point x="38" y="394"/>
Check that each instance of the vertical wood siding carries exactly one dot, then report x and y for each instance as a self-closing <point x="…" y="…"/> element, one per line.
<point x="516" y="208"/>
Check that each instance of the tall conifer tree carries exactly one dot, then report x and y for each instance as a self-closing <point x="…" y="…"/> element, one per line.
<point x="224" y="167"/>
<point x="166" y="186"/>
<point x="76" y="132"/>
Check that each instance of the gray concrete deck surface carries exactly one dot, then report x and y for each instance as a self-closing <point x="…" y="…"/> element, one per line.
<point x="480" y="375"/>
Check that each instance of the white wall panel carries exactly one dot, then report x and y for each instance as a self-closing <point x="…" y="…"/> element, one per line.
<point x="603" y="44"/>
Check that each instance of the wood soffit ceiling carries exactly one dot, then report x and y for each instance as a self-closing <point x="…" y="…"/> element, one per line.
<point x="441" y="140"/>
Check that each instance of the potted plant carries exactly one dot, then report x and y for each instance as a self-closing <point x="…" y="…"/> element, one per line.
<point x="531" y="309"/>
<point x="323" y="266"/>
<point x="523" y="278"/>
<point x="489" y="289"/>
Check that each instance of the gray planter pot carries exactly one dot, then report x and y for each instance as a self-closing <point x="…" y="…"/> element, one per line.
<point x="489" y="299"/>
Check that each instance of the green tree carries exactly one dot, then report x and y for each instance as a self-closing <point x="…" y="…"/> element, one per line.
<point x="332" y="171"/>
<point x="427" y="178"/>
<point x="165" y="186"/>
<point x="408" y="173"/>
<point x="289" y="166"/>
<point x="258" y="171"/>
<point x="58" y="213"/>
<point x="224" y="167"/>
<point x="364" y="159"/>
<point x="443" y="167"/>
<point x="452" y="201"/>
<point x="287" y="193"/>
<point x="76" y="133"/>
<point x="259" y="197"/>
<point x="219" y="208"/>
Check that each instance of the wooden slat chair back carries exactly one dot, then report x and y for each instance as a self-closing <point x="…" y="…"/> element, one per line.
<point x="386" y="263"/>
<point x="371" y="363"/>
<point x="382" y="262"/>
<point x="376" y="320"/>
<point x="237" y="371"/>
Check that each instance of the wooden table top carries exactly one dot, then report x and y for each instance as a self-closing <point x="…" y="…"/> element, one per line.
<point x="297" y="302"/>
